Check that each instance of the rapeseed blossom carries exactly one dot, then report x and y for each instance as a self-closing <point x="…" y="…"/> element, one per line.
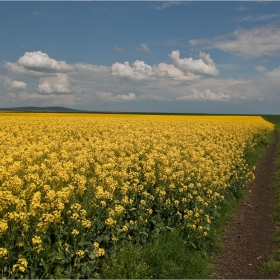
<point x="3" y="252"/>
<point x="97" y="180"/>
<point x="100" y="252"/>
<point x="80" y="253"/>
<point x="21" y="265"/>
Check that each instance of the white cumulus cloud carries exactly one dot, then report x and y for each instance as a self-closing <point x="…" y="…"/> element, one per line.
<point x="41" y="62"/>
<point x="108" y="96"/>
<point x="57" y="85"/>
<point x="91" y="69"/>
<point x="143" y="49"/>
<point x="177" y="74"/>
<point x="206" y="95"/>
<point x="139" y="71"/>
<point x="11" y="85"/>
<point x="202" y="66"/>
<point x="130" y="96"/>
<point x="20" y="70"/>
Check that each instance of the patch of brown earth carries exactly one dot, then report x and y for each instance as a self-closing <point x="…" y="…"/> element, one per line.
<point x="249" y="240"/>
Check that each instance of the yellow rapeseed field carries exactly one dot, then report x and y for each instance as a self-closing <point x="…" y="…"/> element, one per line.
<point x="74" y="186"/>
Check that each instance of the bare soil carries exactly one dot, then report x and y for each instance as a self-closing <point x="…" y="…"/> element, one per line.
<point x="249" y="239"/>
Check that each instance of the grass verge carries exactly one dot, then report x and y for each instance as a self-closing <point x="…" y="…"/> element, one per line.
<point x="170" y="255"/>
<point x="163" y="257"/>
<point x="273" y="265"/>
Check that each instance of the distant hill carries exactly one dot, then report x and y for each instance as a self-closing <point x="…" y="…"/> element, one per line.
<point x="41" y="109"/>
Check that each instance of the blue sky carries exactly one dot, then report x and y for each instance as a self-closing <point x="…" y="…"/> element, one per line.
<point x="159" y="56"/>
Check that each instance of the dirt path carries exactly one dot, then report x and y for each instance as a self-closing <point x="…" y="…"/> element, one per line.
<point x="249" y="239"/>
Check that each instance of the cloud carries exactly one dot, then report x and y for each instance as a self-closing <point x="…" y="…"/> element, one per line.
<point x="253" y="5"/>
<point x="143" y="49"/>
<point x="51" y="74"/>
<point x="203" y="66"/>
<point x="37" y="13"/>
<point x="120" y="50"/>
<point x="91" y="69"/>
<point x="228" y="66"/>
<point x="44" y="100"/>
<point x="123" y="97"/>
<point x="20" y="70"/>
<point x="242" y="8"/>
<point x="120" y="97"/>
<point x="142" y="86"/>
<point x="108" y="96"/>
<point x="260" y="69"/>
<point x="206" y="95"/>
<point x="274" y="73"/>
<point x="254" y="42"/>
<point x="138" y="72"/>
<point x="167" y="5"/>
<point x="177" y="74"/>
<point x="250" y="18"/>
<point x="172" y="43"/>
<point x="54" y="85"/>
<point x="41" y="62"/>
<point x="11" y="85"/>
<point x="89" y="77"/>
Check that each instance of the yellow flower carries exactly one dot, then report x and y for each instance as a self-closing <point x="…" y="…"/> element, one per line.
<point x="75" y="232"/>
<point x="143" y="202"/>
<point x="100" y="252"/>
<point x="21" y="265"/>
<point x="176" y="202"/>
<point x="119" y="209"/>
<point x="103" y="203"/>
<point x="36" y="240"/>
<point x="110" y="222"/>
<point x="127" y="162"/>
<point x="75" y="216"/>
<point x="80" y="253"/>
<point x="125" y="228"/>
<point x="83" y="212"/>
<point x="86" y="223"/>
<point x="66" y="247"/>
<point x="3" y="252"/>
<point x="3" y="226"/>
<point x="133" y="223"/>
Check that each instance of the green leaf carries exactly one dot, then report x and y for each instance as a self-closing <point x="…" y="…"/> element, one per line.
<point x="192" y="244"/>
<point x="57" y="256"/>
<point x="92" y="255"/>
<point x="83" y="243"/>
<point x="207" y="226"/>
